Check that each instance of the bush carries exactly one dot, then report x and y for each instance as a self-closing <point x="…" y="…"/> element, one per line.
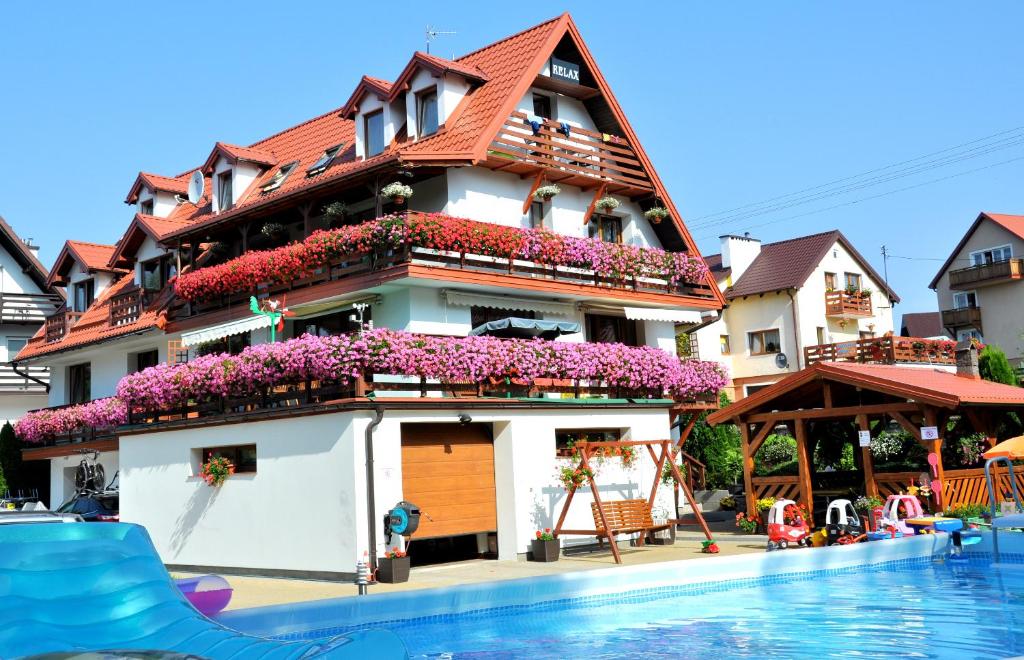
<point x="718" y="448"/>
<point x="776" y="450"/>
<point x="965" y="511"/>
<point x="787" y="469"/>
<point x="994" y="366"/>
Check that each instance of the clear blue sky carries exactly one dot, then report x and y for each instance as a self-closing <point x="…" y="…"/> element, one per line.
<point x="734" y="102"/>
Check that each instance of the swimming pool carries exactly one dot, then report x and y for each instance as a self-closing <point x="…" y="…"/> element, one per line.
<point x="917" y="605"/>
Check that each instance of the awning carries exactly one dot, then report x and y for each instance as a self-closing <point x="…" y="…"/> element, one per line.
<point x="526" y="328"/>
<point x="224" y="330"/>
<point x="508" y="302"/>
<point x="310" y="310"/>
<point x="655" y="314"/>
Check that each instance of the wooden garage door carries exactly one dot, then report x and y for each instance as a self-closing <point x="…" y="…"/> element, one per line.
<point x="448" y="472"/>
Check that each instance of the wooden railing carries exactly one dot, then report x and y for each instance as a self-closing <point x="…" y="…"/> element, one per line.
<point x="985" y="274"/>
<point x="696" y="472"/>
<point x="847" y="305"/>
<point x="21" y="382"/>
<point x="126" y="307"/>
<point x="970" y="487"/>
<point x="962" y="318"/>
<point x="28" y="307"/>
<point x="891" y="483"/>
<point x="58" y="325"/>
<point x="580" y="154"/>
<point x="883" y="350"/>
<point x="777" y="487"/>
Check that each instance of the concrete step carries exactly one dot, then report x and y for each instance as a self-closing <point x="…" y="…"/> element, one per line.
<point x="707" y="501"/>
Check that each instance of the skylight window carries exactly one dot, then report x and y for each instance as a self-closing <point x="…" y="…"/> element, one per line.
<point x="324" y="161"/>
<point x="278" y="179"/>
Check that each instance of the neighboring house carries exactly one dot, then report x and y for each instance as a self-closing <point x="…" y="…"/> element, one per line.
<point x="784" y="298"/>
<point x="978" y="287"/>
<point x="923" y="324"/>
<point x="474" y="137"/>
<point x="26" y="300"/>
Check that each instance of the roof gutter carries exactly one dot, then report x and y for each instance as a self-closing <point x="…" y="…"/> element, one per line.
<point x="14" y="367"/>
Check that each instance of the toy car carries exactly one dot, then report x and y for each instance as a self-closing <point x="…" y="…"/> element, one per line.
<point x="842" y="524"/>
<point x="786" y="525"/>
<point x="891" y="513"/>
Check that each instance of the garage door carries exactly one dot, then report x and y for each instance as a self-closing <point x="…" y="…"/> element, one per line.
<point x="448" y="471"/>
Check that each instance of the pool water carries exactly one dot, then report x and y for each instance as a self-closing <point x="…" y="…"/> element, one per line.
<point x="917" y="609"/>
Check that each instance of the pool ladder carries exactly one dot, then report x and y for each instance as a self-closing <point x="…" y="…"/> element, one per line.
<point x="1009" y="521"/>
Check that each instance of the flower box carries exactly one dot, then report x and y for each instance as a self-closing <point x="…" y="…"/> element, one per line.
<point x="544" y="550"/>
<point x="393" y="571"/>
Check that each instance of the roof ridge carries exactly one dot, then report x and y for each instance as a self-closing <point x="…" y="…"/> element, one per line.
<point x="802" y="238"/>
<point x="104" y="245"/>
<point x="509" y="37"/>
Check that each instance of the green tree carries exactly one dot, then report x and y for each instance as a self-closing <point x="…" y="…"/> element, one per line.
<point x="994" y="366"/>
<point x="10" y="457"/>
<point x="718" y="447"/>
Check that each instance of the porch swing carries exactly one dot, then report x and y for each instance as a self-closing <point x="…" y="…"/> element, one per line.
<point x="626" y="516"/>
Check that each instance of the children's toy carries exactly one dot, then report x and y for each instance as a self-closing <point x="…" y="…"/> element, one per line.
<point x="932" y="524"/>
<point x="891" y="513"/>
<point x="842" y="524"/>
<point x="786" y="525"/>
<point x="709" y="547"/>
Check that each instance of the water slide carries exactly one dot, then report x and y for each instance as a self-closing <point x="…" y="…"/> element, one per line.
<point x="101" y="586"/>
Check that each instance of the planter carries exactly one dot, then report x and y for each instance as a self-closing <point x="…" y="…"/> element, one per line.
<point x="398" y="199"/>
<point x="544" y="550"/>
<point x="656" y="220"/>
<point x="393" y="571"/>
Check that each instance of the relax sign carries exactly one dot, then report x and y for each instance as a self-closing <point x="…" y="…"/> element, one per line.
<point x="566" y="71"/>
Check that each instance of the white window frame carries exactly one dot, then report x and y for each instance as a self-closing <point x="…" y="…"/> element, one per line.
<point x="420" y="96"/>
<point x="965" y="294"/>
<point x="975" y="253"/>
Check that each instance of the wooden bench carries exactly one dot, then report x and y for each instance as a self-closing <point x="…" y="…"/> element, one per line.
<point x="624" y="517"/>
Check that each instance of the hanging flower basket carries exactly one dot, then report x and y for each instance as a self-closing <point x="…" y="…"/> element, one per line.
<point x="546" y="192"/>
<point x="398" y="192"/>
<point x="607" y="204"/>
<point x="656" y="214"/>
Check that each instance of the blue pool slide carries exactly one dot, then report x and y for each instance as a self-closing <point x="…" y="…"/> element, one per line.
<point x="101" y="586"/>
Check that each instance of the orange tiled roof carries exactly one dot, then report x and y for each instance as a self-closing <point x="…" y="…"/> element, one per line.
<point x="251" y="154"/>
<point x="437" y="65"/>
<point x="141" y="227"/>
<point x="378" y="86"/>
<point x="178" y="186"/>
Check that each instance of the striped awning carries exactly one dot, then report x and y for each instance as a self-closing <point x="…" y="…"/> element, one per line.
<point x="224" y="330"/>
<point x="655" y="314"/>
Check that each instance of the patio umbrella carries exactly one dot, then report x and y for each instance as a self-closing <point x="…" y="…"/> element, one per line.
<point x="1012" y="449"/>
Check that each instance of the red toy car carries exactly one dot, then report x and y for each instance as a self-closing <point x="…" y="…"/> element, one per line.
<point x="786" y="525"/>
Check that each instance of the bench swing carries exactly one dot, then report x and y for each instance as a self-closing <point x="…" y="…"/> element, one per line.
<point x="626" y="516"/>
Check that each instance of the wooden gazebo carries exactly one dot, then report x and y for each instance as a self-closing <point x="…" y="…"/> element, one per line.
<point x="916" y="398"/>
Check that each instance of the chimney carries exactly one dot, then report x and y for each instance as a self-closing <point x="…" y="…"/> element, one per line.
<point x="967" y="360"/>
<point x="738" y="252"/>
<point x="33" y="248"/>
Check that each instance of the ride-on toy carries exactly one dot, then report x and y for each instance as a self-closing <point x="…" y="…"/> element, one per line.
<point x="891" y="513"/>
<point x="842" y="524"/>
<point x="786" y="525"/>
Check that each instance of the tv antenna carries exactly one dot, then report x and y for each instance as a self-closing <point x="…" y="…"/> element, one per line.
<point x="432" y="34"/>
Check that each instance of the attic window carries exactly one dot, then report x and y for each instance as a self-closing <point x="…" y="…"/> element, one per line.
<point x="426" y="112"/>
<point x="324" y="161"/>
<point x="146" y="207"/>
<point x="278" y="179"/>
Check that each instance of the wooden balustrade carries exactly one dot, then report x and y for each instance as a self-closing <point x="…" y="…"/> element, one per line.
<point x="884" y="350"/>
<point x="964" y="317"/>
<point x="57" y="325"/>
<point x="840" y="304"/>
<point x="126" y="307"/>
<point x="986" y="274"/>
<point x="970" y="487"/>
<point x="777" y="487"/>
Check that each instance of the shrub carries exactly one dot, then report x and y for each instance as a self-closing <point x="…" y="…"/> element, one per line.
<point x="718" y="448"/>
<point x="866" y="503"/>
<point x="776" y="450"/>
<point x="965" y="511"/>
<point x="993" y="366"/>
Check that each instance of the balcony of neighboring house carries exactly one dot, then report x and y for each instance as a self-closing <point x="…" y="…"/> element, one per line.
<point x="850" y="304"/>
<point x="566" y="154"/>
<point x="962" y="317"/>
<point x="28" y="308"/>
<point x="26" y="380"/>
<point x="885" y="350"/>
<point x="126" y="307"/>
<point x="986" y="274"/>
<point x="57" y="325"/>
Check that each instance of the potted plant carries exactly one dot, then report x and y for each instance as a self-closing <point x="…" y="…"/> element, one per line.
<point x="397" y="191"/>
<point x="545" y="546"/>
<point x="216" y="470"/>
<point x="656" y="214"/>
<point x="393" y="567"/>
<point x="747" y="523"/>
<point x="865" y="293"/>
<point x="607" y="204"/>
<point x="335" y="210"/>
<point x="727" y="503"/>
<point x="851" y="290"/>
<point x="545" y="193"/>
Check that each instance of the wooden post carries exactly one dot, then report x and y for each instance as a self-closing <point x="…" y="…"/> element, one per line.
<point x="600" y="509"/>
<point x="689" y="493"/>
<point x="748" y="464"/>
<point x="803" y="462"/>
<point x="869" y="462"/>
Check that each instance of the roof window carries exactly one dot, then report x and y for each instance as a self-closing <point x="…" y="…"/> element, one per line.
<point x="324" y="161"/>
<point x="278" y="179"/>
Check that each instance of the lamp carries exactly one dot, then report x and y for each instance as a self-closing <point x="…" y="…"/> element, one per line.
<point x="465" y="419"/>
<point x="781" y="429"/>
<point x="892" y="427"/>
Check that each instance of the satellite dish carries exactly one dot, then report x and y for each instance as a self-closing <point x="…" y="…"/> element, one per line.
<point x="195" y="187"/>
<point x="781" y="361"/>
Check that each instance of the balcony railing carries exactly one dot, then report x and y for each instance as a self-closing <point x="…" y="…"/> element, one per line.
<point x="28" y="380"/>
<point x="581" y="156"/>
<point x="126" y="307"/>
<point x="31" y="308"/>
<point x="840" y="304"/>
<point x="986" y="274"/>
<point x="966" y="317"/>
<point x="884" y="350"/>
<point x="58" y="325"/>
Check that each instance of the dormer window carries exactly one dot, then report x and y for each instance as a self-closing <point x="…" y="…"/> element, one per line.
<point x="225" y="198"/>
<point x="84" y="293"/>
<point x="373" y="133"/>
<point x="157" y="272"/>
<point x="324" y="161"/>
<point x="146" y="207"/>
<point x="279" y="178"/>
<point x="426" y="112"/>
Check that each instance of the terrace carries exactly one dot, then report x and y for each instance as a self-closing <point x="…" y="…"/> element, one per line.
<point x="847" y="305"/>
<point x="982" y="275"/>
<point x="884" y="350"/>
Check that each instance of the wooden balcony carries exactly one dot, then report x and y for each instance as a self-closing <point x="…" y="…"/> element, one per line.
<point x="57" y="325"/>
<point x="30" y="308"/>
<point x="126" y="307"/>
<point x="986" y="274"/>
<point x="966" y="317"/>
<point x="843" y="305"/>
<point x="884" y="350"/>
<point x="583" y="158"/>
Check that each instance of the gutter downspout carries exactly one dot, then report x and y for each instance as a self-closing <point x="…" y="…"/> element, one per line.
<point x="371" y="504"/>
<point x="796" y="327"/>
<point x="14" y="367"/>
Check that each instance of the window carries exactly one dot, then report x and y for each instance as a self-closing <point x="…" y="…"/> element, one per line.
<point x="723" y="343"/>
<point x="225" y="198"/>
<point x="84" y="293"/>
<point x="373" y="133"/>
<point x="157" y="272"/>
<point x="968" y="333"/>
<point x="232" y="345"/>
<point x="607" y="228"/>
<point x="480" y="315"/>
<point x="146" y="359"/>
<point x="853" y="281"/>
<point x="146" y="207"/>
<point x="866" y="334"/>
<point x="750" y="389"/>
<point x="830" y="281"/>
<point x="566" y="438"/>
<point x="542" y="106"/>
<point x="821" y="335"/>
<point x="243" y="457"/>
<point x="611" y="330"/>
<point x="994" y="255"/>
<point x="764" y="342"/>
<point x="14" y="346"/>
<point x="278" y="179"/>
<point x="338" y="323"/>
<point x="79" y="383"/>
<point x="536" y="215"/>
<point x="426" y="112"/>
<point x="324" y="161"/>
<point x="965" y="299"/>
